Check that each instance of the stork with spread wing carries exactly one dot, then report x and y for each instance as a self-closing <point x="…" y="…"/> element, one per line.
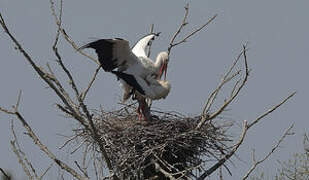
<point x="137" y="72"/>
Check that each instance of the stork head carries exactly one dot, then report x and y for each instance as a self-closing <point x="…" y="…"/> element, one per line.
<point x="163" y="61"/>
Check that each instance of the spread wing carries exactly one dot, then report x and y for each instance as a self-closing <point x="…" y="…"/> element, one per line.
<point x="140" y="48"/>
<point x="113" y="53"/>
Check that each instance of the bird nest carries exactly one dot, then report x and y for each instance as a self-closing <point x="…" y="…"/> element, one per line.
<point x="168" y="145"/>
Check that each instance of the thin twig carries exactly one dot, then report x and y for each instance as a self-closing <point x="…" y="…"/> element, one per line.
<point x="45" y="172"/>
<point x="69" y="140"/>
<point x="270" y="110"/>
<point x="84" y="93"/>
<point x="53" y="78"/>
<point x="23" y="165"/>
<point x="183" y="23"/>
<point x="7" y="177"/>
<point x="81" y="169"/>
<point x="17" y="150"/>
<point x="78" y="147"/>
<point x="18" y="100"/>
<point x="21" y="153"/>
<point x="194" y="32"/>
<point x="85" y="153"/>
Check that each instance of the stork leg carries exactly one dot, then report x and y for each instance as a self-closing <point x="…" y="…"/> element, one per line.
<point x="143" y="108"/>
<point x="139" y="113"/>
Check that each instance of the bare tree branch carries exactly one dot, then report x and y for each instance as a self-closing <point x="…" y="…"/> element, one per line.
<point x="37" y="141"/>
<point x="80" y="97"/>
<point x="256" y="163"/>
<point x="195" y="31"/>
<point x="207" y="117"/>
<point x="45" y="76"/>
<point x="226" y="78"/>
<point x="84" y="93"/>
<point x="59" y="59"/>
<point x="66" y="36"/>
<point x="54" y="79"/>
<point x="21" y="162"/>
<point x="270" y="110"/>
<point x="18" y="148"/>
<point x="73" y="111"/>
<point x="182" y="25"/>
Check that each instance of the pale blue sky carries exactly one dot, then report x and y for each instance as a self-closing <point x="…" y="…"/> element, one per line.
<point x="277" y="32"/>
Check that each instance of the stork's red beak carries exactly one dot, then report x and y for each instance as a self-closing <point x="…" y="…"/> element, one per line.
<point x="163" y="69"/>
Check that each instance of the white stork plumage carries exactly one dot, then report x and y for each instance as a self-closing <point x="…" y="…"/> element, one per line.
<point x="132" y="66"/>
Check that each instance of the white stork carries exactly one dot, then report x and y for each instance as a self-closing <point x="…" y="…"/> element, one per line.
<point x="136" y="71"/>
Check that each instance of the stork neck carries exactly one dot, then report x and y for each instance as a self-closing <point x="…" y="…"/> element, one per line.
<point x="159" y="62"/>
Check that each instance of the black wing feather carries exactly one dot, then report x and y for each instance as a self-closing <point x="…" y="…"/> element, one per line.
<point x="104" y="49"/>
<point x="129" y="79"/>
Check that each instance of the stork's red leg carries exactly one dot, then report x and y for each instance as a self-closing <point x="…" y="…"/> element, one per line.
<point x="143" y="109"/>
<point x="139" y="112"/>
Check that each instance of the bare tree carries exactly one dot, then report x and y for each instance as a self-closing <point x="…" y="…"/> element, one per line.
<point x="172" y="146"/>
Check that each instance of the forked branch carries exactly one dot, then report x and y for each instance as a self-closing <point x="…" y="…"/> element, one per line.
<point x="66" y="36"/>
<point x="180" y="28"/>
<point x="237" y="87"/>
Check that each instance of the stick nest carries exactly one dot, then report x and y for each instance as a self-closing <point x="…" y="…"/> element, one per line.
<point x="167" y="146"/>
